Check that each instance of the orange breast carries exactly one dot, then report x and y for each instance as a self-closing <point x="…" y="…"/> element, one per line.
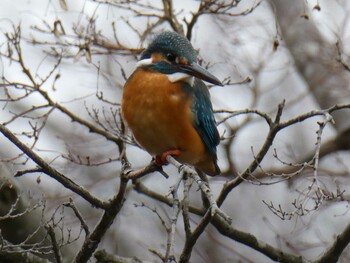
<point x="159" y="114"/>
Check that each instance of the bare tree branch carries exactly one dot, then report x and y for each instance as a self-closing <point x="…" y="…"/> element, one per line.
<point x="52" y="172"/>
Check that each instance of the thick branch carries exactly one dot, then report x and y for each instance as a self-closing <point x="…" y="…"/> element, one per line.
<point x="334" y="252"/>
<point x="251" y="241"/>
<point x="92" y="240"/>
<point x="103" y="257"/>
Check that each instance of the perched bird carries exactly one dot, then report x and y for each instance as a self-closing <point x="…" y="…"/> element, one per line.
<point x="167" y="105"/>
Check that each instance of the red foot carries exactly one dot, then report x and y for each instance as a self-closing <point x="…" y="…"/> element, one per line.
<point x="161" y="160"/>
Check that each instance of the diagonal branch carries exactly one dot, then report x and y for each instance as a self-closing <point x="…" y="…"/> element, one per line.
<point x="274" y="128"/>
<point x="52" y="172"/>
<point x="92" y="240"/>
<point x="254" y="243"/>
<point x="334" y="252"/>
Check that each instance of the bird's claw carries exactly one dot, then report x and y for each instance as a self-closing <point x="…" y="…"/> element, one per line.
<point x="161" y="160"/>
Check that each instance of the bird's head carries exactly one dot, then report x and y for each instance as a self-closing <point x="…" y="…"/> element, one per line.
<point x="172" y="54"/>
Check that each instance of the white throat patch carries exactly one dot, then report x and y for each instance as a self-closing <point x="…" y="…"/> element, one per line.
<point x="181" y="76"/>
<point x="144" y="62"/>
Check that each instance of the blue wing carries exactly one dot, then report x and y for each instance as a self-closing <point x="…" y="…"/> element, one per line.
<point x="204" y="117"/>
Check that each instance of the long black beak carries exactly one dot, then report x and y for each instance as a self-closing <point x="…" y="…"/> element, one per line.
<point x="197" y="71"/>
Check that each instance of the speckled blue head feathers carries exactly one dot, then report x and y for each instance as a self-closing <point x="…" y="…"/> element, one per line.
<point x="171" y="43"/>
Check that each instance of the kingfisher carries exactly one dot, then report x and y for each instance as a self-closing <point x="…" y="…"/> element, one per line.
<point x="167" y="105"/>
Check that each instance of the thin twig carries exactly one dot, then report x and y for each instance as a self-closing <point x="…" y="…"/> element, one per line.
<point x="55" y="246"/>
<point x="184" y="169"/>
<point x="170" y="247"/>
<point x="185" y="206"/>
<point x="79" y="216"/>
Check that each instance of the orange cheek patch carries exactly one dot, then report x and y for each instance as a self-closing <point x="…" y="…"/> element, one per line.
<point x="157" y="57"/>
<point x="183" y="61"/>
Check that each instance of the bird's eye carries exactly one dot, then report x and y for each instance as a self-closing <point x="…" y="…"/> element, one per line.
<point x="170" y="57"/>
